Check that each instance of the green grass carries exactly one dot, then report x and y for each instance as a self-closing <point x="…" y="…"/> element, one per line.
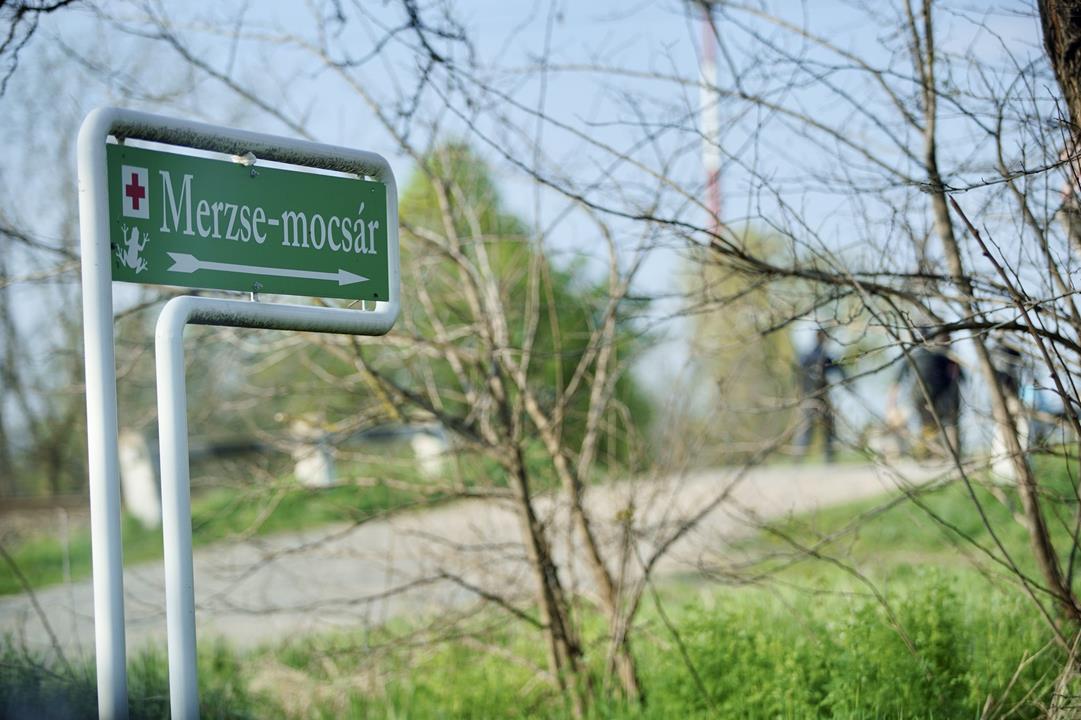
<point x="33" y="686"/>
<point x="892" y="535"/>
<point x="748" y="653"/>
<point x="760" y="654"/>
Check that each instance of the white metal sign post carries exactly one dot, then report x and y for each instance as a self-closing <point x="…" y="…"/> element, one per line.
<point x="99" y="268"/>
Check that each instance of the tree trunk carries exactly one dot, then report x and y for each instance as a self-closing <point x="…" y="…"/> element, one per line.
<point x="602" y="576"/>
<point x="7" y="467"/>
<point x="7" y="383"/>
<point x="564" y="650"/>
<point x="1061" y="22"/>
<point x="1039" y="535"/>
<point x="564" y="647"/>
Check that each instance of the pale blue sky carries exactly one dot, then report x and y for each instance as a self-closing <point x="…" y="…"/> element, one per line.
<point x="646" y="37"/>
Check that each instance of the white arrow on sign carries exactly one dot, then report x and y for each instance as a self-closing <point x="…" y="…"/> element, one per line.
<point x="185" y="263"/>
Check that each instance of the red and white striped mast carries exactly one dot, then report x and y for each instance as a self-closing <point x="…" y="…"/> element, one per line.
<point x="710" y="116"/>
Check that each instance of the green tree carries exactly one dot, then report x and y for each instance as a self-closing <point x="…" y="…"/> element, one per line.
<point x="744" y="355"/>
<point x="551" y="311"/>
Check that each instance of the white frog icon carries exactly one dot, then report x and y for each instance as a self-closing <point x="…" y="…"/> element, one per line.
<point x="128" y="254"/>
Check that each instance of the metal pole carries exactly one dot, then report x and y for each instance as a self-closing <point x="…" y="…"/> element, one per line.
<point x="176" y="510"/>
<point x="173" y="447"/>
<point x="101" y="425"/>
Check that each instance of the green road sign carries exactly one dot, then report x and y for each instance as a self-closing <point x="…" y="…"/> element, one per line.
<point x="190" y="221"/>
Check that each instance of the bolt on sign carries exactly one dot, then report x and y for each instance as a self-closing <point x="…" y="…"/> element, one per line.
<point x="203" y="223"/>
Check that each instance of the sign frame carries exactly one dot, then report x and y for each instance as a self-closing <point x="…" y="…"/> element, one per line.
<point x="210" y="223"/>
<point x="101" y="395"/>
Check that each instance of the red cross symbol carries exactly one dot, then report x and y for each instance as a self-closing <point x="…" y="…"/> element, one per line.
<point x="135" y="191"/>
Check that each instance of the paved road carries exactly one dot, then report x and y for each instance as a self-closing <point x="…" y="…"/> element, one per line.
<point x="442" y="560"/>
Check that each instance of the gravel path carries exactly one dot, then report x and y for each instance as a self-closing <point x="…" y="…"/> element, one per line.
<point x="440" y="560"/>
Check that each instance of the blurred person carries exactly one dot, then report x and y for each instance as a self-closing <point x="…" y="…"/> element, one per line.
<point x="816" y="409"/>
<point x="935" y="392"/>
<point x="1049" y="413"/>
<point x="1009" y="368"/>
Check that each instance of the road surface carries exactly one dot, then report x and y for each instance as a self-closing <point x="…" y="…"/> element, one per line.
<point x="441" y="560"/>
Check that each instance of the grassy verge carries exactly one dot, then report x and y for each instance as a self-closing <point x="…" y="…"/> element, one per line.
<point x="953" y="526"/>
<point x="967" y="647"/>
<point x="734" y="653"/>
